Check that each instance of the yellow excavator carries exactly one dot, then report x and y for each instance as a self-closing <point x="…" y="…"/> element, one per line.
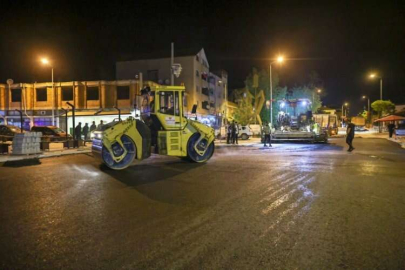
<point x="163" y="129"/>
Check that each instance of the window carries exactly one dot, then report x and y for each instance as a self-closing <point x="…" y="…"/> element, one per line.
<point x="92" y="93"/>
<point x="197" y="73"/>
<point x="122" y="92"/>
<point x="205" y="91"/>
<point x="204" y="76"/>
<point x="67" y="93"/>
<point x="42" y="94"/>
<point x="205" y="105"/>
<point x="169" y="103"/>
<point x="197" y="58"/>
<point x="16" y="95"/>
<point x="153" y="75"/>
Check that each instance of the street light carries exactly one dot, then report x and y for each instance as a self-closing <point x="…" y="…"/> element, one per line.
<point x="45" y="61"/>
<point x="344" y="105"/>
<point x="280" y="59"/>
<point x="372" y="76"/>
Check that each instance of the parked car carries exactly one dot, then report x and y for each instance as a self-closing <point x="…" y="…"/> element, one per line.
<point x="7" y="132"/>
<point x="51" y="132"/>
<point x="400" y="130"/>
<point x="360" y="129"/>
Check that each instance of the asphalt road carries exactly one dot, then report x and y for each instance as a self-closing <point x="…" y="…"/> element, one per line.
<point x="291" y="207"/>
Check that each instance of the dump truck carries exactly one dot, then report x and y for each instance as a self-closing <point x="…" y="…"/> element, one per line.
<point x="327" y="122"/>
<point x="163" y="130"/>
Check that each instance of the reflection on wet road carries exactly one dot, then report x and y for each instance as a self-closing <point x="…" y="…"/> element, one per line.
<point x="294" y="206"/>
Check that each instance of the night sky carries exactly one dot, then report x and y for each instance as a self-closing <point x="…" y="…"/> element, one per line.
<point x="342" y="42"/>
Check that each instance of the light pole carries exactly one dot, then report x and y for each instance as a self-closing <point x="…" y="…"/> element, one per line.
<point x="372" y="76"/>
<point x="368" y="107"/>
<point x="344" y="105"/>
<point x="280" y="59"/>
<point x="45" y="61"/>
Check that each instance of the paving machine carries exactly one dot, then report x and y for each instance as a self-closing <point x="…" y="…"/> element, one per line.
<point x="163" y="129"/>
<point x="295" y="123"/>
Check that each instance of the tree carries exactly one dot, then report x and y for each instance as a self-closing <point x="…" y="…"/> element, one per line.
<point x="363" y="114"/>
<point x="244" y="114"/>
<point x="383" y="107"/>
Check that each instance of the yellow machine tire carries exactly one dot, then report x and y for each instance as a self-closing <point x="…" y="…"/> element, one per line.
<point x="126" y="161"/>
<point x="192" y="154"/>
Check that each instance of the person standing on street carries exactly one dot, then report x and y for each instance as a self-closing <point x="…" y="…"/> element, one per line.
<point x="228" y="133"/>
<point x="267" y="134"/>
<point x="236" y="133"/>
<point x="93" y="126"/>
<point x="391" y="128"/>
<point x="85" y="132"/>
<point x="350" y="135"/>
<point x="78" y="132"/>
<point x="100" y="125"/>
<point x="233" y="132"/>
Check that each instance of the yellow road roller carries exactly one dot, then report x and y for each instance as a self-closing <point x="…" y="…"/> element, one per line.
<point x="162" y="129"/>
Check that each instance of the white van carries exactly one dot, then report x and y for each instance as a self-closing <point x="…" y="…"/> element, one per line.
<point x="244" y="132"/>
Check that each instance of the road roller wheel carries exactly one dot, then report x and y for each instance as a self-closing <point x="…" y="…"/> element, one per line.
<point x="117" y="150"/>
<point x="192" y="154"/>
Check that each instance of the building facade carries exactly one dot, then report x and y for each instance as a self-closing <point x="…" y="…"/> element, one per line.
<point x="205" y="89"/>
<point x="93" y="101"/>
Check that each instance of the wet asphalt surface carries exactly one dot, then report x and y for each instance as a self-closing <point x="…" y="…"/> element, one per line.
<point x="296" y="206"/>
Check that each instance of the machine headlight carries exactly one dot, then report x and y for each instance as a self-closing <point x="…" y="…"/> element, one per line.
<point x="98" y="135"/>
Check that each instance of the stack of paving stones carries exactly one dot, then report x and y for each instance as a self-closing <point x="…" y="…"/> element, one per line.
<point x="27" y="143"/>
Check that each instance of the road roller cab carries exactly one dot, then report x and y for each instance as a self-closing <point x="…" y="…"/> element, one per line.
<point x="163" y="129"/>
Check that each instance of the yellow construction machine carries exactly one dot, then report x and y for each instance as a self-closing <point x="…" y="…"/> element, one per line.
<point x="163" y="129"/>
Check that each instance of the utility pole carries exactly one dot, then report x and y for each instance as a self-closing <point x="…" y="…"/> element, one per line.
<point x="171" y="65"/>
<point x="53" y="101"/>
<point x="381" y="89"/>
<point x="271" y="99"/>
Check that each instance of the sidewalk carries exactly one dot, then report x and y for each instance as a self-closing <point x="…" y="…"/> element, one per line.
<point x="374" y="135"/>
<point x="45" y="154"/>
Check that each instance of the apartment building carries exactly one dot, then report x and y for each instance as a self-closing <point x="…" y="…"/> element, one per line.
<point x="205" y="89"/>
<point x="93" y="101"/>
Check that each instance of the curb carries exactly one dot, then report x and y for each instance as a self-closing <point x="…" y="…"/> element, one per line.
<point x="41" y="156"/>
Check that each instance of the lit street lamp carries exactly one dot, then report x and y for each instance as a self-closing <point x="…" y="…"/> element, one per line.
<point x="344" y="105"/>
<point x="372" y="76"/>
<point x="45" y="61"/>
<point x="280" y="59"/>
<point x="368" y="107"/>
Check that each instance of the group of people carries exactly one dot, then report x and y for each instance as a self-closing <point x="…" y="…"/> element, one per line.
<point x="86" y="130"/>
<point x="232" y="131"/>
